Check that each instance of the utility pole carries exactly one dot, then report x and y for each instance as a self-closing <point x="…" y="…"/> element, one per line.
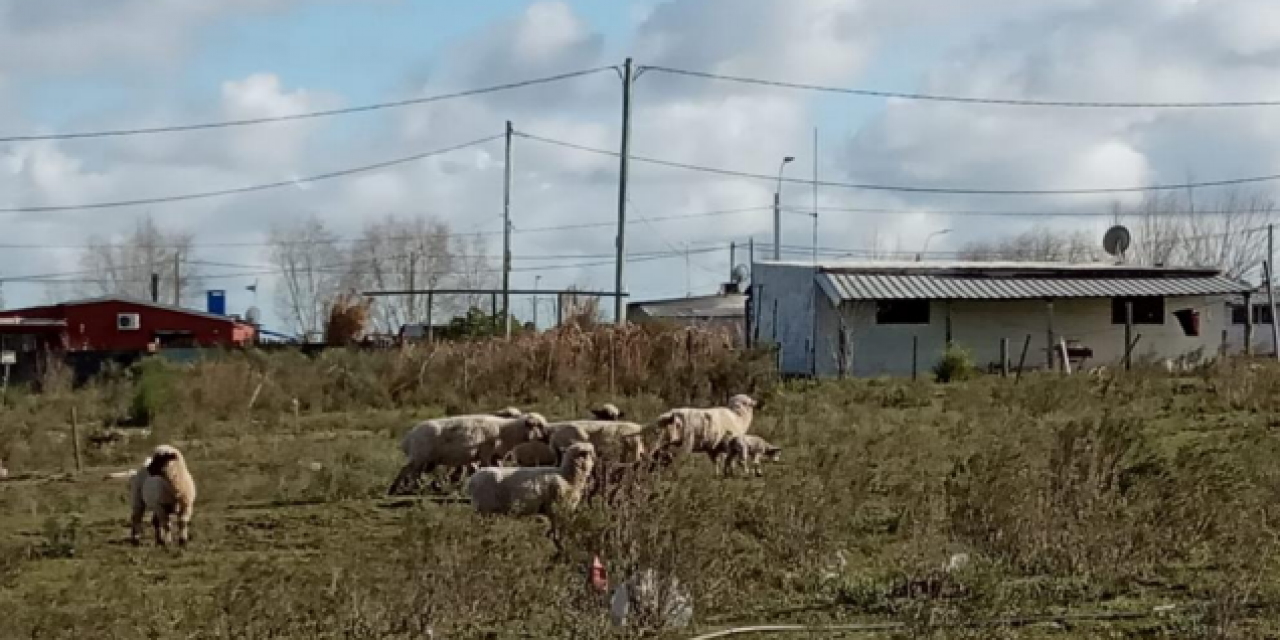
<point x="177" y="279"/>
<point x="815" y="197"/>
<point x="1271" y="289"/>
<point x="506" y="238"/>
<point x="155" y="287"/>
<point x="619" y="306"/>
<point x="733" y="253"/>
<point x="537" y="282"/>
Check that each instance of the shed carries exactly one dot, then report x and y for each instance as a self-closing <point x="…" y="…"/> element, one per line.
<point x="725" y="309"/>
<point x="121" y="324"/>
<point x="868" y="319"/>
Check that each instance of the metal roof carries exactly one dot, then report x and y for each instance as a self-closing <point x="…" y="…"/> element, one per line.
<point x="731" y="305"/>
<point x="147" y="303"/>
<point x="1007" y="283"/>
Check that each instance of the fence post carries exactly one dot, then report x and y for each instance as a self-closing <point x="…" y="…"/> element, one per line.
<point x="430" y="322"/>
<point x="75" y="440"/>
<point x="1066" y="361"/>
<point x="1004" y="357"/>
<point x="915" y="357"/>
<point x="1222" y="350"/>
<point x="1022" y="361"/>
<point x="1128" y="333"/>
<point x="844" y="352"/>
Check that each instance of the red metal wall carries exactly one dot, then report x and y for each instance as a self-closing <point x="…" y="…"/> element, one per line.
<point x="92" y="326"/>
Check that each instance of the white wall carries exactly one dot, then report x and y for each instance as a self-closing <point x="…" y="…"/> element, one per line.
<point x="1261" y="334"/>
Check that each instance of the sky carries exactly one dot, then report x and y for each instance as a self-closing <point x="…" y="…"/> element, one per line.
<point x="82" y="65"/>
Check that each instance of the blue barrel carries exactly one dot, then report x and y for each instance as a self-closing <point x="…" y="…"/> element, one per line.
<point x="217" y="301"/>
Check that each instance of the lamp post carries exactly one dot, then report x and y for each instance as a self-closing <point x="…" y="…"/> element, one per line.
<point x="777" y="210"/>
<point x="925" y="248"/>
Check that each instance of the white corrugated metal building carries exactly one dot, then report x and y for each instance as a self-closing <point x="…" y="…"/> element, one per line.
<point x="885" y="309"/>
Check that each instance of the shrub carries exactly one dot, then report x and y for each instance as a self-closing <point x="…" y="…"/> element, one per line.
<point x="151" y="392"/>
<point x="956" y="365"/>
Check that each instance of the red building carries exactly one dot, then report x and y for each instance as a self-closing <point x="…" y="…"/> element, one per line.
<point x="119" y="324"/>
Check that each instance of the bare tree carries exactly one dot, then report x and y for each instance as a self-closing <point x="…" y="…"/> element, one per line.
<point x="1225" y="231"/>
<point x="124" y="267"/>
<point x="405" y="254"/>
<point x="309" y="259"/>
<point x="473" y="269"/>
<point x="1039" y="244"/>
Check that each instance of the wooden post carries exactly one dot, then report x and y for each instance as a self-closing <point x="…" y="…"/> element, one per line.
<point x="775" y="322"/>
<point x="430" y="323"/>
<point x="75" y="440"/>
<point x="1271" y="300"/>
<point x="1049" y="346"/>
<point x="1022" y="361"/>
<point x="1222" y="350"/>
<point x="915" y="357"/>
<point x="1128" y="351"/>
<point x="1248" y="323"/>
<point x="1066" y="361"/>
<point x="844" y="351"/>
<point x="1128" y="333"/>
<point x="1004" y="357"/>
<point x="948" y="317"/>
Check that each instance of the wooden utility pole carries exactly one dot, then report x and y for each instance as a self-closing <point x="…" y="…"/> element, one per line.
<point x="506" y="238"/>
<point x="177" y="279"/>
<point x="1271" y="289"/>
<point x="155" y="287"/>
<point x="619" y="306"/>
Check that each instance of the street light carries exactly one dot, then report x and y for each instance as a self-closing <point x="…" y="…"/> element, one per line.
<point x="925" y="249"/>
<point x="777" y="211"/>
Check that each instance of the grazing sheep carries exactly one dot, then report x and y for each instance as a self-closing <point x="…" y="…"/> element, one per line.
<point x="533" y="490"/>
<point x="462" y="442"/>
<point x="707" y="430"/>
<point x="531" y="454"/>
<point x="616" y="441"/>
<point x="164" y="487"/>
<point x="747" y="451"/>
<point x="607" y="411"/>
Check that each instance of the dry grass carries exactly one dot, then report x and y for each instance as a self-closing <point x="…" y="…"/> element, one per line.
<point x="1069" y="495"/>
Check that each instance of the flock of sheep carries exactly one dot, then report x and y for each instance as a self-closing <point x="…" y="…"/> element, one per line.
<point x="519" y="463"/>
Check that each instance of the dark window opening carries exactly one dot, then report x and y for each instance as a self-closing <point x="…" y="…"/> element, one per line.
<point x="1145" y="310"/>
<point x="902" y="312"/>
<point x="1261" y="314"/>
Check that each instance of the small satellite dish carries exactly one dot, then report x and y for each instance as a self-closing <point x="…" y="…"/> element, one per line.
<point x="1116" y="241"/>
<point x="252" y="315"/>
<point x="740" y="274"/>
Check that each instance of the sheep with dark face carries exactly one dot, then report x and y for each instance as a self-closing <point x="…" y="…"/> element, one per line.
<point x="164" y="487"/>
<point x="463" y="442"/>
<point x="524" y="491"/>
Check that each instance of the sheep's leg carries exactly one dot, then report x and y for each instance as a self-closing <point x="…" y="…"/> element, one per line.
<point x="407" y="481"/>
<point x="135" y="523"/>
<point x="156" y="520"/>
<point x="184" y="526"/>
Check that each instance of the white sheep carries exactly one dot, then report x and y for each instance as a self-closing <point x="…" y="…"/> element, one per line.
<point x="533" y="490"/>
<point x="707" y="430"/>
<point x="607" y="411"/>
<point x="509" y="412"/>
<point x="531" y="454"/>
<point x="614" y="441"/>
<point x="747" y="451"/>
<point x="164" y="487"/>
<point x="462" y="442"/>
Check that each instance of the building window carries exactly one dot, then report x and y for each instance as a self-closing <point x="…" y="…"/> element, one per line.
<point x="1261" y="314"/>
<point x="1145" y="310"/>
<point x="902" y="312"/>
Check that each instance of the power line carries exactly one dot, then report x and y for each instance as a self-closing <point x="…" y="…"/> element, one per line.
<point x="1121" y="214"/>
<point x="1011" y="102"/>
<point x="249" y="189"/>
<point x="304" y="116"/>
<point x="911" y="189"/>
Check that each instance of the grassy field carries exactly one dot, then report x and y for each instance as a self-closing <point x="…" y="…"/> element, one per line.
<point x="1071" y="496"/>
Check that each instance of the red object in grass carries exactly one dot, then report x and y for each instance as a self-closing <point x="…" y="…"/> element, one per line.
<point x="598" y="578"/>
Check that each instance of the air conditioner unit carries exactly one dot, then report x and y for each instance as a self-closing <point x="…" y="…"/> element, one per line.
<point x="128" y="321"/>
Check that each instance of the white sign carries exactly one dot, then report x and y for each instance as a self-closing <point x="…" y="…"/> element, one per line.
<point x="8" y="357"/>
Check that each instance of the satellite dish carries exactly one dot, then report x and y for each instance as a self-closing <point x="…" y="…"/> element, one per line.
<point x="739" y="274"/>
<point x="252" y="315"/>
<point x="1116" y="241"/>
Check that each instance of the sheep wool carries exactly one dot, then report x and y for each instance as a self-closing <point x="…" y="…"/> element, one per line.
<point x="614" y="441"/>
<point x="463" y="441"/>
<point x="531" y="454"/>
<point x="607" y="411"/>
<point x="528" y="491"/>
<point x="707" y="430"/>
<point x="164" y="487"/>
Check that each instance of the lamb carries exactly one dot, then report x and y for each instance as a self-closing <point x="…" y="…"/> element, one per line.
<point x="533" y="490"/>
<point x="747" y="451"/>
<point x="164" y="487"/>
<point x="707" y="430"/>
<point x="531" y="454"/>
<point x="463" y="442"/>
<point x="607" y="411"/>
